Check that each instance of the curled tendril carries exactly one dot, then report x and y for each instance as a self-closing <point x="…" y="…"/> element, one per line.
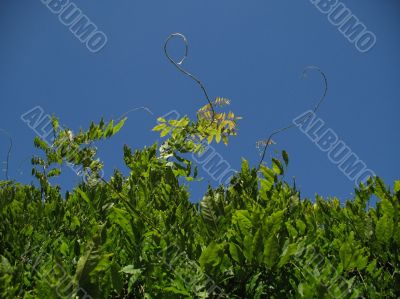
<point x="315" y="109"/>
<point x="178" y="65"/>
<point x="2" y="131"/>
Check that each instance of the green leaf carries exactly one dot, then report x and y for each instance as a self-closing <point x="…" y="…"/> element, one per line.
<point x="88" y="262"/>
<point x="396" y="186"/>
<point x="161" y="120"/>
<point x="64" y="249"/>
<point x="84" y="196"/>
<point x="218" y="137"/>
<point x="247" y="247"/>
<point x="55" y="123"/>
<point x="5" y="266"/>
<point x="269" y="175"/>
<point x="372" y="267"/>
<point x="242" y="220"/>
<point x="209" y="211"/>
<point x="122" y="218"/>
<point x="380" y="189"/>
<point x="236" y="253"/>
<point x="245" y="166"/>
<point x="285" y="157"/>
<point x="384" y="229"/>
<point x="116" y="278"/>
<point x="301" y="226"/>
<point x="54" y="172"/>
<point x="277" y="166"/>
<point x="39" y="143"/>
<point x="287" y="253"/>
<point x="212" y="255"/>
<point x="130" y="269"/>
<point x="159" y="127"/>
<point x="165" y="131"/>
<point x="346" y="255"/>
<point x="258" y="246"/>
<point x="271" y="251"/>
<point x="119" y="126"/>
<point x="210" y="139"/>
<point x="109" y="130"/>
<point x="178" y="291"/>
<point x="292" y="231"/>
<point x="225" y="139"/>
<point x="75" y="223"/>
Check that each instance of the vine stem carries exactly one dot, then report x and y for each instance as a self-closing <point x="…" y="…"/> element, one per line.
<point x="9" y="150"/>
<point x="136" y="109"/>
<point x="315" y="109"/>
<point x="178" y="65"/>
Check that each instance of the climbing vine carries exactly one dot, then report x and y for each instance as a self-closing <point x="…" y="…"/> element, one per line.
<point x="139" y="236"/>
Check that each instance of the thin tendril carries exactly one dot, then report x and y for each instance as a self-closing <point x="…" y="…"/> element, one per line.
<point x="178" y="65"/>
<point x="136" y="109"/>
<point x="9" y="150"/>
<point x="316" y="107"/>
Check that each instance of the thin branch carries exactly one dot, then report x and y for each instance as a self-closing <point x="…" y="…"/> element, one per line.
<point x="315" y="109"/>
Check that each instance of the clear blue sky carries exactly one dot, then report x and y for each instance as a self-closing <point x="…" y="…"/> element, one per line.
<point x="251" y="52"/>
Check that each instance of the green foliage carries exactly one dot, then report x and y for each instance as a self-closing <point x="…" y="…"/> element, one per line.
<point x="139" y="236"/>
<point x="77" y="150"/>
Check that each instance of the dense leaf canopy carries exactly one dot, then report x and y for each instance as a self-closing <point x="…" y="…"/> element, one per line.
<point x="139" y="236"/>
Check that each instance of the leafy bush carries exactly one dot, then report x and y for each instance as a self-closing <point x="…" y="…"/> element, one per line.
<point x="139" y="236"/>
